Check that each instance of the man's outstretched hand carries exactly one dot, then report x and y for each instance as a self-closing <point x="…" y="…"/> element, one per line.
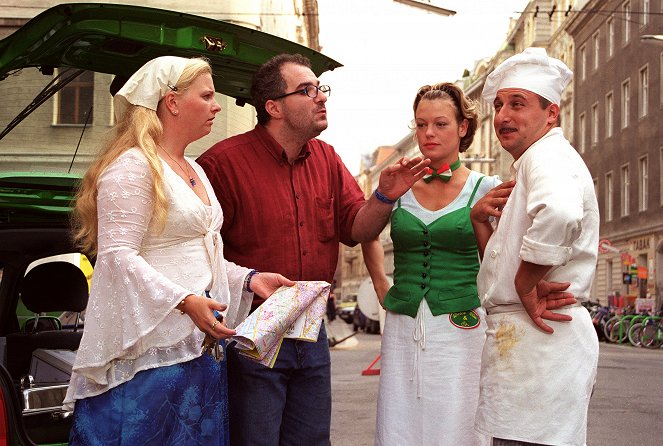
<point x="398" y="178"/>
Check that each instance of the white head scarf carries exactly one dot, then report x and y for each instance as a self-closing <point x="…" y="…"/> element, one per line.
<point x="150" y="83"/>
<point x="530" y="70"/>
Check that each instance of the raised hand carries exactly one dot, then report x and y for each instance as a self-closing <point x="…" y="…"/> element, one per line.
<point x="398" y="178"/>
<point x="492" y="203"/>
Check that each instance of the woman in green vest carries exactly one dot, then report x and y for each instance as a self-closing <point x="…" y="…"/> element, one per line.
<point x="434" y="330"/>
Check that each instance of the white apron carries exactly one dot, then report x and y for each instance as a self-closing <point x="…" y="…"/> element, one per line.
<point x="535" y="387"/>
<point x="429" y="381"/>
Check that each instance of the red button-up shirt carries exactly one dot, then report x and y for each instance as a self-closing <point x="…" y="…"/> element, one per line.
<point x="280" y="217"/>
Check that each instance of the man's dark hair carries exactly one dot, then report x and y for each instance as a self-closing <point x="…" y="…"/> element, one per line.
<point x="544" y="102"/>
<point x="268" y="82"/>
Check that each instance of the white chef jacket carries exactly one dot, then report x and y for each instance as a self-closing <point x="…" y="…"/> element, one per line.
<point x="536" y="387"/>
<point x="551" y="218"/>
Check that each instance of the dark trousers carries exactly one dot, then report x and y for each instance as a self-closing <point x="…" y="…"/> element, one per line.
<point x="287" y="405"/>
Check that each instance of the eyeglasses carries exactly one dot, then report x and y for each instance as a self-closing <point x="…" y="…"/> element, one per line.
<point x="310" y="90"/>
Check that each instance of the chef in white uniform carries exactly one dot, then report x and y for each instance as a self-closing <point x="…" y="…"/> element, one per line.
<point x="537" y="376"/>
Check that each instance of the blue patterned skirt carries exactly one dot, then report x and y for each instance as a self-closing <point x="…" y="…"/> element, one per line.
<point x="181" y="404"/>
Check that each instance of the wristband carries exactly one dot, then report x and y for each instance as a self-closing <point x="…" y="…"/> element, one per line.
<point x="382" y="198"/>
<point x="247" y="281"/>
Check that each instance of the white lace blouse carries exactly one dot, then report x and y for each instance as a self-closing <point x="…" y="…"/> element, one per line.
<point x="131" y="323"/>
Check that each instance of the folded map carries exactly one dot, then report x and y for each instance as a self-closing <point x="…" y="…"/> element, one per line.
<point x="291" y="312"/>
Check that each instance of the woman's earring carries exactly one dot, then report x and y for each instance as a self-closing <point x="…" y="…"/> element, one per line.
<point x="175" y="112"/>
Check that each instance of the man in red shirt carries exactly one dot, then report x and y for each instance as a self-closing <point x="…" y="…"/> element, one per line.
<point x="288" y="200"/>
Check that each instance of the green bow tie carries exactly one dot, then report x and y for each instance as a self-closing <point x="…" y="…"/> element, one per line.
<point x="443" y="173"/>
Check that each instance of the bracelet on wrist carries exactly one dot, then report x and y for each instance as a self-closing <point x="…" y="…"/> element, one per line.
<point x="382" y="198"/>
<point x="247" y="280"/>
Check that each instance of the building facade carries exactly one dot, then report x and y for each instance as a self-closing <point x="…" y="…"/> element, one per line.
<point x="618" y="99"/>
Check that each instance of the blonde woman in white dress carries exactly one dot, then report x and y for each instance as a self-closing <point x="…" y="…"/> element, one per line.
<point x="150" y="216"/>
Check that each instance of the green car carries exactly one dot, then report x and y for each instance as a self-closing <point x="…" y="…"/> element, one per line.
<point x="40" y="305"/>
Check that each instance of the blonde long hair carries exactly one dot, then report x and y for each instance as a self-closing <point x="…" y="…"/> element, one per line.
<point x="138" y="127"/>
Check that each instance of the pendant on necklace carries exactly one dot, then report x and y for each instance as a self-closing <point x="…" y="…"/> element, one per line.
<point x="192" y="181"/>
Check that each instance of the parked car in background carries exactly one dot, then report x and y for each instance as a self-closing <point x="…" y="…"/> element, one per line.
<point x="346" y="308"/>
<point x="36" y="349"/>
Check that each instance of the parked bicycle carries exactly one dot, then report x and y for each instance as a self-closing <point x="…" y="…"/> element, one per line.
<point x="600" y="315"/>
<point x="647" y="333"/>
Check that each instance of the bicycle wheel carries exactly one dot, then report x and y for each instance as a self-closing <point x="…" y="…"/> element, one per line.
<point x="607" y="327"/>
<point x="635" y="334"/>
<point x="619" y="332"/>
<point x="652" y="336"/>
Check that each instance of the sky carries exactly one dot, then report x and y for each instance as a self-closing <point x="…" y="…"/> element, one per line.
<point x="389" y="50"/>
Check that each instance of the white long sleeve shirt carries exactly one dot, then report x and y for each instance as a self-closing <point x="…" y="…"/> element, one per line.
<point x="131" y="323"/>
<point x="551" y="218"/>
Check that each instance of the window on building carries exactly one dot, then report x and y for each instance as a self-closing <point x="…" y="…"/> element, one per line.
<point x="626" y="188"/>
<point x="643" y="184"/>
<point x="596" y="186"/>
<point x="582" y="130"/>
<point x="645" y="13"/>
<point x="643" y="91"/>
<point x="567" y="123"/>
<point x="608" y="196"/>
<point x="595" y="40"/>
<point x="626" y="102"/>
<point x="595" y="124"/>
<point x="608" y="275"/>
<point x="660" y="177"/>
<point x="660" y="78"/>
<point x="73" y="103"/>
<point x="609" y="114"/>
<point x="626" y="21"/>
<point x="611" y="36"/>
<point x="583" y="63"/>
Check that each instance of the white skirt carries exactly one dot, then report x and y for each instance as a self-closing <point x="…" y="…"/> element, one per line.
<point x="535" y="387"/>
<point x="429" y="379"/>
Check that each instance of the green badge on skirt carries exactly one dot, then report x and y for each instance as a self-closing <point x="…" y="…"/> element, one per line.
<point x="465" y="319"/>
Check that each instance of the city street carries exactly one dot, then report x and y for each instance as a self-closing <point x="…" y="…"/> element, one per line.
<point x="626" y="408"/>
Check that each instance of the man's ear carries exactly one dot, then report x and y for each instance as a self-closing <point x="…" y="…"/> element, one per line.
<point x="273" y="108"/>
<point x="553" y="113"/>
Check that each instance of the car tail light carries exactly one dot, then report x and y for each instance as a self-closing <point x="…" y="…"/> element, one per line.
<point x="4" y="427"/>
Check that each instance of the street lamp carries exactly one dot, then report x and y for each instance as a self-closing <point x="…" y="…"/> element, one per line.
<point x="427" y="6"/>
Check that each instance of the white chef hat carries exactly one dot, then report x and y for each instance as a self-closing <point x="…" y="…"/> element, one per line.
<point x="150" y="83"/>
<point x="530" y="70"/>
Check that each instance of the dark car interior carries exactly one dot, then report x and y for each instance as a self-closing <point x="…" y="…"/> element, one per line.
<point x="32" y="345"/>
